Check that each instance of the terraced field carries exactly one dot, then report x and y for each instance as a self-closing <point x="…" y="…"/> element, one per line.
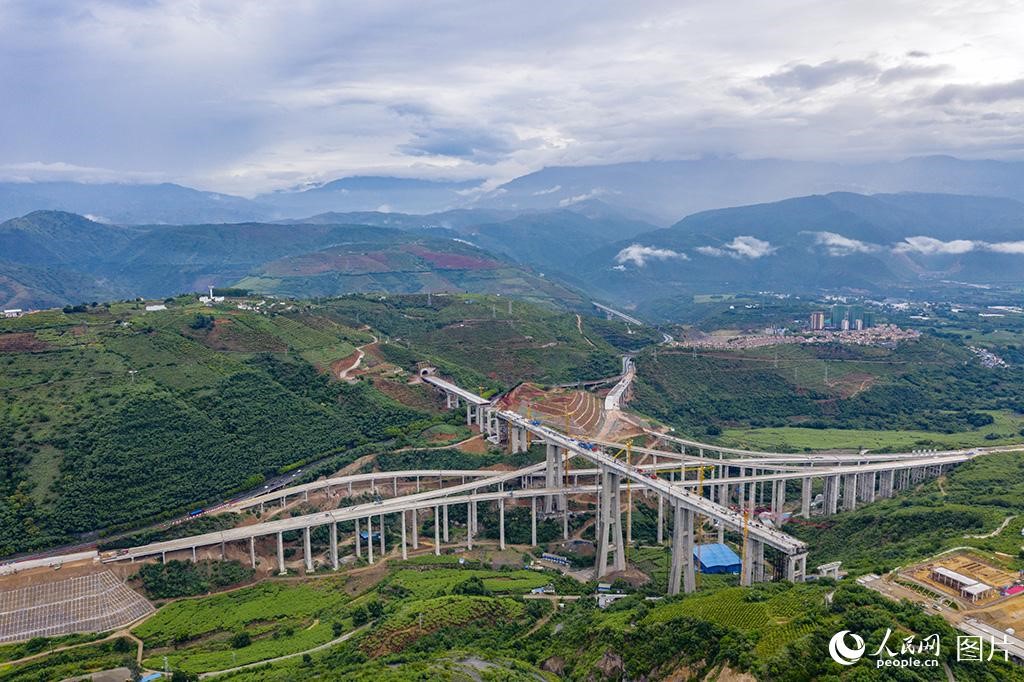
<point x="280" y="618"/>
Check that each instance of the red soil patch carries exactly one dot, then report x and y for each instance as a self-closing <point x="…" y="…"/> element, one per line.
<point x="476" y="445"/>
<point x="339" y="366"/>
<point x="21" y="342"/>
<point x="453" y="261"/>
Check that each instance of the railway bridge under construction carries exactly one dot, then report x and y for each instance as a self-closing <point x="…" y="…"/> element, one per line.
<point x="697" y="484"/>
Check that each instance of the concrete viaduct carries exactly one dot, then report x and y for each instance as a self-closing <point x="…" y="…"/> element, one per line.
<point x="727" y="496"/>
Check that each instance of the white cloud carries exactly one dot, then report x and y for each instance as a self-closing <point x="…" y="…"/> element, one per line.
<point x="929" y="246"/>
<point x="837" y="245"/>
<point x="549" y="190"/>
<point x="638" y="255"/>
<point x="743" y="246"/>
<point x="257" y="96"/>
<point x="569" y="201"/>
<point x="1016" y="248"/>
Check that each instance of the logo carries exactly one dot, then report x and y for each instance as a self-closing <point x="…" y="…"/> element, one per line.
<point x="842" y="654"/>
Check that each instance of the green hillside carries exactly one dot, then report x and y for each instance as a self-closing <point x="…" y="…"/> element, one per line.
<point x="477" y="340"/>
<point x="923" y="393"/>
<point x="178" y="407"/>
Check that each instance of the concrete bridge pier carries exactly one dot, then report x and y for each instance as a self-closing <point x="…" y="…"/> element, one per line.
<point x="501" y="523"/>
<point x="550" y="475"/>
<point x="405" y="550"/>
<point x="415" y="528"/>
<point x="886" y="481"/>
<point x="445" y="514"/>
<point x="661" y="519"/>
<point x="382" y="552"/>
<point x="533" y="521"/>
<point x="517" y="439"/>
<point x="849" y="492"/>
<point x="469" y="525"/>
<point x="369" y="539"/>
<point x="437" y="531"/>
<point x="805" y="497"/>
<point x="868" y="481"/>
<point x="753" y="562"/>
<point x="681" y="572"/>
<point x="307" y="549"/>
<point x="334" y="543"/>
<point x="831" y="505"/>
<point x="252" y="551"/>
<point x="796" y="567"/>
<point x="778" y="496"/>
<point x="359" y="540"/>
<point x="280" y="554"/>
<point x="610" y="531"/>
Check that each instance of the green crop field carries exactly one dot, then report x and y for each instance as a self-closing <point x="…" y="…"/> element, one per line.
<point x="429" y="583"/>
<point x="1005" y="428"/>
<point x="281" y="618"/>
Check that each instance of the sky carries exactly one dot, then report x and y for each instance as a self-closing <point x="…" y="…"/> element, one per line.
<point x="249" y="97"/>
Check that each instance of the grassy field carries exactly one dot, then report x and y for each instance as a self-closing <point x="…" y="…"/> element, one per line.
<point x="423" y="584"/>
<point x="1006" y="428"/>
<point x="281" y="618"/>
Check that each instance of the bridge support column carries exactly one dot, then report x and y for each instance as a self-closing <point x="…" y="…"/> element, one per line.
<point x="550" y="475"/>
<point x="681" y="573"/>
<point x="661" y="519"/>
<point x="469" y="525"/>
<point x="280" y="554"/>
<point x="747" y="567"/>
<point x="849" y="492"/>
<point x="445" y="514"/>
<point x="533" y="521"/>
<point x="470" y="413"/>
<point x="334" y="545"/>
<point x="437" y="531"/>
<point x="868" y="486"/>
<point x="565" y="517"/>
<point x="517" y="439"/>
<point x="252" y="551"/>
<point x="796" y="567"/>
<point x="886" y="482"/>
<point x="194" y="554"/>
<point x="307" y="549"/>
<point x="359" y="540"/>
<point x="405" y="550"/>
<point x="415" y="528"/>
<point x="805" y="497"/>
<point x="382" y="552"/>
<point x="501" y="523"/>
<point x="831" y="495"/>
<point x="369" y="539"/>
<point x="778" y="496"/>
<point x="610" y="530"/>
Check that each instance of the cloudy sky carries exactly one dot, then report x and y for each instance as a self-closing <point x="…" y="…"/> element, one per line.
<point x="249" y="97"/>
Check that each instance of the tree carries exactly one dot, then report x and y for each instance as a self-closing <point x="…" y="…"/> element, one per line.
<point x="360" y="616"/>
<point x="241" y="640"/>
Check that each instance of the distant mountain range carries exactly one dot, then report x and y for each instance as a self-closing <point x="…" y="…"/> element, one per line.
<point x="51" y="258"/>
<point x="839" y="242"/>
<point x="884" y="244"/>
<point x="659" y="192"/>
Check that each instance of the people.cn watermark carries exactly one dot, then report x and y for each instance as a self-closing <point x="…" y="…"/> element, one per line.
<point x="847" y="648"/>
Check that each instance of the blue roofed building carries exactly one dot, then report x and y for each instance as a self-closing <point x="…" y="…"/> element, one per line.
<point x="716" y="558"/>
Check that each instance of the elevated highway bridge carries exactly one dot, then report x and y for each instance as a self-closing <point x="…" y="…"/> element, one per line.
<point x="723" y="490"/>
